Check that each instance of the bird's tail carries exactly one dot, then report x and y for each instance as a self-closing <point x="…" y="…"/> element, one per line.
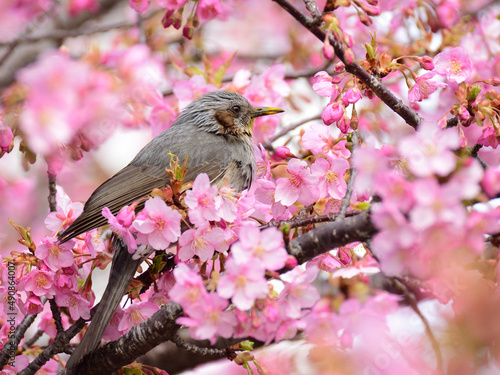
<point x="123" y="269"/>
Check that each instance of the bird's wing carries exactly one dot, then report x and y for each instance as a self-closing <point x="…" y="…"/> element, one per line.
<point x="125" y="187"/>
<point x="139" y="178"/>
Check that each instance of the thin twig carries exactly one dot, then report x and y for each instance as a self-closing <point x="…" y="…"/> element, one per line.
<point x="29" y="29"/>
<point x="413" y="304"/>
<point x="32" y="340"/>
<point x="62" y="34"/>
<point x="346" y="201"/>
<point x="199" y="350"/>
<point x="288" y="129"/>
<point x="294" y="223"/>
<point x="56" y="314"/>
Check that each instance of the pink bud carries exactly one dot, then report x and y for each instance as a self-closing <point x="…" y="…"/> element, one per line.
<point x="339" y="68"/>
<point x="426" y="62"/>
<point x="495" y="81"/>
<point x="370" y="9"/>
<point x="284" y="152"/>
<point x="188" y="31"/>
<point x="348" y="56"/>
<point x="327" y="49"/>
<point x="291" y="263"/>
<point x="351" y="96"/>
<point x="6" y="137"/>
<point x="167" y="19"/>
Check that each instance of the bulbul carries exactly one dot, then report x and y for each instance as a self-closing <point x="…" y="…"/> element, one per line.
<point x="214" y="134"/>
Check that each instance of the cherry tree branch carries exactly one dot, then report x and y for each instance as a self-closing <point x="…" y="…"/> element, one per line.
<point x="409" y="115"/>
<point x="331" y="235"/>
<point x="139" y="340"/>
<point x="71" y="33"/>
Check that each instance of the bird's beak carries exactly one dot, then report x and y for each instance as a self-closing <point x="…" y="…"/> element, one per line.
<point x="264" y="111"/>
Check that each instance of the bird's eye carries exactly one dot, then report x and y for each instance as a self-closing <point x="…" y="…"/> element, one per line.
<point x="236" y="109"/>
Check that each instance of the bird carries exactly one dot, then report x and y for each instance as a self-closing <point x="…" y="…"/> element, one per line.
<point x="214" y="135"/>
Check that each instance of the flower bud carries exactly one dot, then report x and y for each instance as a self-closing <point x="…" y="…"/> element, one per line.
<point x="426" y="62"/>
<point x="284" y="152"/>
<point x="370" y="9"/>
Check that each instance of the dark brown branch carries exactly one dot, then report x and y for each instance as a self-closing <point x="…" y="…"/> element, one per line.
<point x="56" y="314"/>
<point x="199" y="350"/>
<point x="52" y="193"/>
<point x="139" y="340"/>
<point x="14" y="342"/>
<point x="373" y="83"/>
<point x="332" y="235"/>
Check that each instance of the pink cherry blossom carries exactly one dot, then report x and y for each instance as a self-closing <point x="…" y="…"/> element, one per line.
<point x="435" y="203"/>
<point x="263" y="163"/>
<point x="454" y="64"/>
<point x="54" y="254"/>
<point x="162" y="117"/>
<point x="266" y="203"/>
<point x="202" y="242"/>
<point x="227" y="204"/>
<point x="40" y="283"/>
<point x="331" y="174"/>
<point x="189" y="289"/>
<point x="78" y="307"/>
<point x="371" y="164"/>
<point x="210" y="319"/>
<point x="351" y="96"/>
<point x="301" y="186"/>
<point x="77" y="6"/>
<point x="430" y="150"/>
<point x="395" y="190"/>
<point x="264" y="248"/>
<point x="324" y="85"/>
<point x="139" y="6"/>
<point x="491" y="182"/>
<point x="33" y="305"/>
<point x="299" y="293"/>
<point x="333" y="112"/>
<point x="424" y="87"/>
<point x="66" y="212"/>
<point x="243" y="283"/>
<point x="319" y="139"/>
<point x="201" y="200"/>
<point x="209" y="9"/>
<point x="121" y="224"/>
<point x="396" y="239"/>
<point x="274" y="80"/>
<point x="136" y="314"/>
<point x="187" y="91"/>
<point x="171" y="4"/>
<point x="448" y="13"/>
<point x="157" y="224"/>
<point x="489" y="137"/>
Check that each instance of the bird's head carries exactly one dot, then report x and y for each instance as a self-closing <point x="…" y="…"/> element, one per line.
<point x="225" y="113"/>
